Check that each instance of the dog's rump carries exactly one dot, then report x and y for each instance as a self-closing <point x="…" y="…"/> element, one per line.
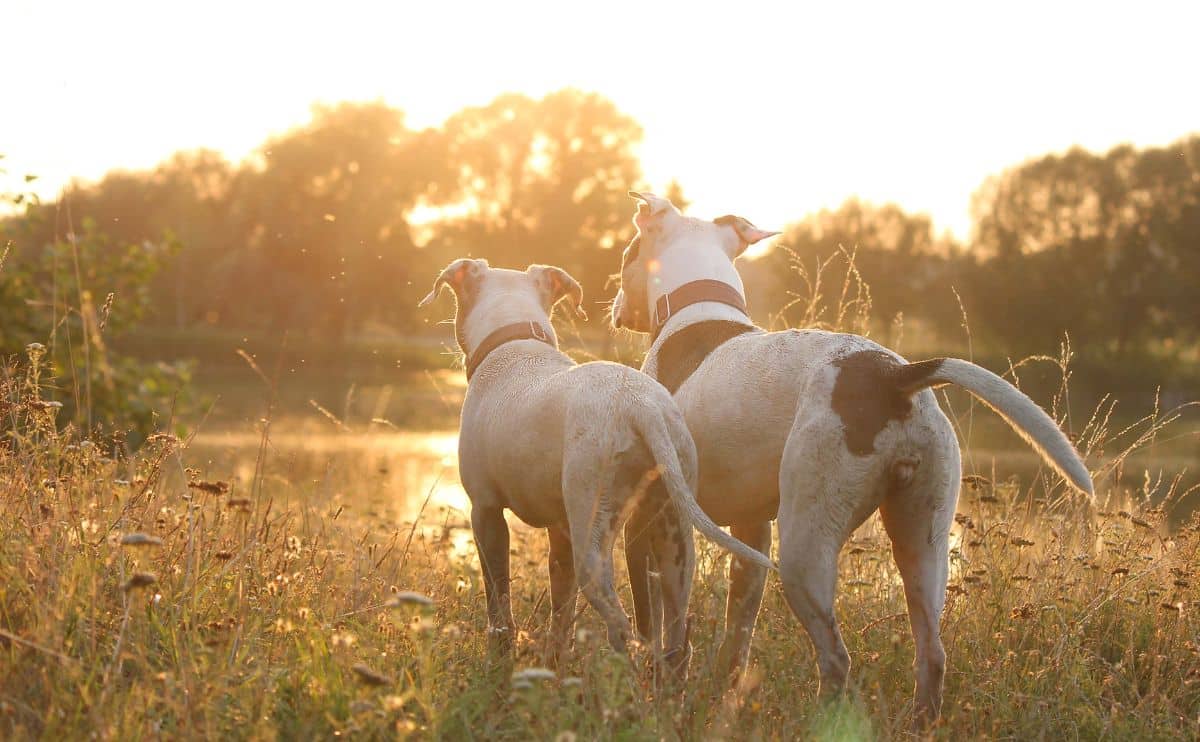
<point x="874" y="387"/>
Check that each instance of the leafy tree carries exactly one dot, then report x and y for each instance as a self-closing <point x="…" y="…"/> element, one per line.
<point x="1100" y="246"/>
<point x="542" y="181"/>
<point x="324" y="218"/>
<point x="895" y="253"/>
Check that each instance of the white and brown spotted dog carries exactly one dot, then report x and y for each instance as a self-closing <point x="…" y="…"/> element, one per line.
<point x="567" y="448"/>
<point x="817" y="429"/>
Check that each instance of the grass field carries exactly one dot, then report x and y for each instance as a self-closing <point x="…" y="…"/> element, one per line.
<point x="256" y="580"/>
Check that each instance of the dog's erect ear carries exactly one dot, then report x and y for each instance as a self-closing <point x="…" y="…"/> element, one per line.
<point x="556" y="284"/>
<point x="458" y="275"/>
<point x="656" y="204"/>
<point x="746" y="232"/>
<point x="650" y="207"/>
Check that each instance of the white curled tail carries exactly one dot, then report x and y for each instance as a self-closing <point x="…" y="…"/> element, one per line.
<point x="654" y="431"/>
<point x="1019" y="411"/>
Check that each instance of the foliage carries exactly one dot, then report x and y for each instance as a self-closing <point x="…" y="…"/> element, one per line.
<point x="1101" y="246"/>
<point x="340" y="223"/>
<point x="895" y="253"/>
<point x="65" y="302"/>
<point x="543" y="181"/>
<point x="336" y="226"/>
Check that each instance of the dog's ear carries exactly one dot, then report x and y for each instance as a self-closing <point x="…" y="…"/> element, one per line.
<point x="459" y="275"/>
<point x="746" y="232"/>
<point x="650" y="208"/>
<point x="555" y="284"/>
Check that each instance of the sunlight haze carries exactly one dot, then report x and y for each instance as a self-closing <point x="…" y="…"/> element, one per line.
<point x="762" y="109"/>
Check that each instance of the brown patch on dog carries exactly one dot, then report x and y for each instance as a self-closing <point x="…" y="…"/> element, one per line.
<point x="872" y="389"/>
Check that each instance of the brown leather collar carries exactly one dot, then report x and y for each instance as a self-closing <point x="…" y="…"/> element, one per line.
<point x="695" y="292"/>
<point x="530" y="330"/>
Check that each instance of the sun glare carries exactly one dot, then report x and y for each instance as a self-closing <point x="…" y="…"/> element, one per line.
<point x="770" y="111"/>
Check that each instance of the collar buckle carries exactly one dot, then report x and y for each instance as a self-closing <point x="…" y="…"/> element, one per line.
<point x="662" y="310"/>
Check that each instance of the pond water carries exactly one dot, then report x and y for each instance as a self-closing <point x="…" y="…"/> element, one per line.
<point x="401" y="475"/>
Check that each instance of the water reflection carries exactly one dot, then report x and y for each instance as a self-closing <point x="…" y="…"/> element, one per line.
<point x="391" y="479"/>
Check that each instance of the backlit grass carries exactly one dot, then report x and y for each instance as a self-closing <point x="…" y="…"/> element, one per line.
<point x="272" y="585"/>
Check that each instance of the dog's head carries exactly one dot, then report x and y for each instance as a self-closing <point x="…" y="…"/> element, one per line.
<point x="488" y="298"/>
<point x="671" y="249"/>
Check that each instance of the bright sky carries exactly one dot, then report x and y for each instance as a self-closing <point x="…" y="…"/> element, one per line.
<point x="766" y="109"/>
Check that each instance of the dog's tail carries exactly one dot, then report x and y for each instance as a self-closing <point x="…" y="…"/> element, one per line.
<point x="1018" y="410"/>
<point x="656" y="430"/>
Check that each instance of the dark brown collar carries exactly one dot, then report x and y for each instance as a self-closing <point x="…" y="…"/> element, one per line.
<point x="695" y="292"/>
<point x="531" y="330"/>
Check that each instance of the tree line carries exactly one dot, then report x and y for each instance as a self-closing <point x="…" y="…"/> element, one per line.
<point x="337" y="225"/>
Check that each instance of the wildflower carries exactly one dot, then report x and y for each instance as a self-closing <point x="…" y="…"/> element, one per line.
<point x="422" y="625"/>
<point x="393" y="703"/>
<point x="1025" y="610"/>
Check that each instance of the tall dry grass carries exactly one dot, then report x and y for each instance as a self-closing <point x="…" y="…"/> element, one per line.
<point x="174" y="594"/>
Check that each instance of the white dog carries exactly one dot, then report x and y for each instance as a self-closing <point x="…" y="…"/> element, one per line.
<point x="568" y="448"/>
<point x="818" y="429"/>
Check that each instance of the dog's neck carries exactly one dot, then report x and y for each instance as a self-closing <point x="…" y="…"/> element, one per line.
<point x="489" y="313"/>
<point x="682" y="266"/>
<point x="484" y="333"/>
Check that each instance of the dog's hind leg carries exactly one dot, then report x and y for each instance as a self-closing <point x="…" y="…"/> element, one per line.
<point x="564" y="591"/>
<point x="825" y="493"/>
<point x="594" y="567"/>
<point x="918" y="520"/>
<point x="642" y="529"/>
<point x="746" y="583"/>
<point x="491" y="540"/>
<point x="675" y="556"/>
<point x="594" y="520"/>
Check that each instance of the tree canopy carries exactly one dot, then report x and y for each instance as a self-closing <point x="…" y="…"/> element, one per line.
<point x="337" y="225"/>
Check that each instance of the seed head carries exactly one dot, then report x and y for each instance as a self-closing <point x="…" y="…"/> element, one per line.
<point x="409" y="598"/>
<point x="140" y="539"/>
<point x="139" y="579"/>
<point x="369" y="676"/>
